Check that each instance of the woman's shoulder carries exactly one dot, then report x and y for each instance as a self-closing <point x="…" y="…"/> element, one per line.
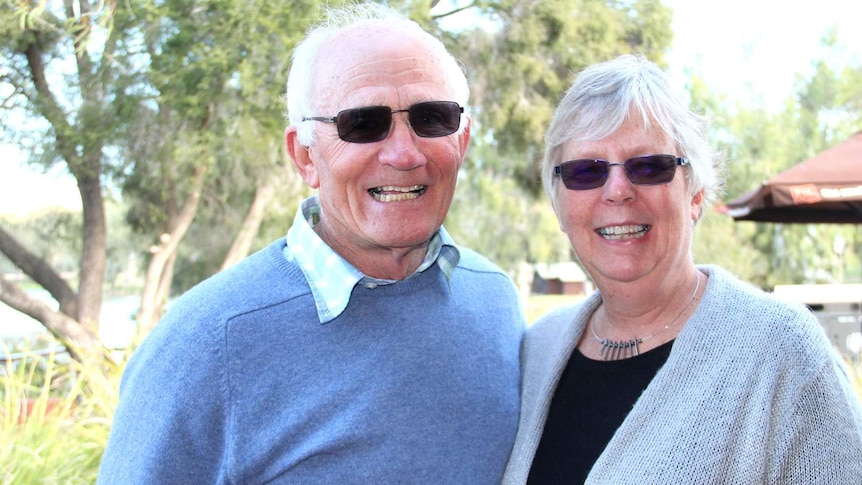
<point x="556" y="318"/>
<point x="726" y="290"/>
<point x="760" y="318"/>
<point x="565" y="322"/>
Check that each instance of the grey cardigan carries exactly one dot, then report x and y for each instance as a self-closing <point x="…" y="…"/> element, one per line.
<point x="752" y="393"/>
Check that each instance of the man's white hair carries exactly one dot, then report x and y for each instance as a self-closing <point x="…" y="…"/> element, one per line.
<point x="303" y="92"/>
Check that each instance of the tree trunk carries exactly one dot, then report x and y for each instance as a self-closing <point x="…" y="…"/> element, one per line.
<point x="164" y="252"/>
<point x="250" y="226"/>
<point x="94" y="255"/>
<point x="164" y="291"/>
<point x="76" y="322"/>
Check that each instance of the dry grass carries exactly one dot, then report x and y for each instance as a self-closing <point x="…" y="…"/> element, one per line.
<point x="538" y="305"/>
<point x="854" y="370"/>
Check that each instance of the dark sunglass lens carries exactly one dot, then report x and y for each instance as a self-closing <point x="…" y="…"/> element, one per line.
<point x="651" y="169"/>
<point x="584" y="174"/>
<point x="364" y="125"/>
<point x="435" y="118"/>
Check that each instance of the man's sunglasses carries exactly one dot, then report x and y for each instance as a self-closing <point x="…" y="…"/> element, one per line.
<point x="591" y="173"/>
<point x="372" y="123"/>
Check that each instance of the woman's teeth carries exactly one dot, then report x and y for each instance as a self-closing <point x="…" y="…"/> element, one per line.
<point x="623" y="232"/>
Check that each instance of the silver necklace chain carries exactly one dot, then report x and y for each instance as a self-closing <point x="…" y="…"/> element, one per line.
<point x="623" y="349"/>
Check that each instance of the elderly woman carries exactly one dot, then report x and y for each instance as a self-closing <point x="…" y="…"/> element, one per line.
<point x="671" y="372"/>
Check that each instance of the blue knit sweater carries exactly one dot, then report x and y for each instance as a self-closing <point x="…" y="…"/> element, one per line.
<point x="415" y="382"/>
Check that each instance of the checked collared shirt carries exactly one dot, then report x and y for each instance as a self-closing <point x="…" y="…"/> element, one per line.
<point x="331" y="277"/>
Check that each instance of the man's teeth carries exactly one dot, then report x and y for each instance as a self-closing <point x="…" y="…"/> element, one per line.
<point x="391" y="193"/>
<point x="623" y="232"/>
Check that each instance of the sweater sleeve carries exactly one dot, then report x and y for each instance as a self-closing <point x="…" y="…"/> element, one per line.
<point x="169" y="426"/>
<point x="173" y="423"/>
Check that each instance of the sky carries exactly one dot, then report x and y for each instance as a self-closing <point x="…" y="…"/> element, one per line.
<point x="753" y="50"/>
<point x="749" y="50"/>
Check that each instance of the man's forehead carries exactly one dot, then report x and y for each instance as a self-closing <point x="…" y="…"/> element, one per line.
<point x="391" y="62"/>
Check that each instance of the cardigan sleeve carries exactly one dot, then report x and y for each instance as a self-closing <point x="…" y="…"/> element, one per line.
<point x="819" y="440"/>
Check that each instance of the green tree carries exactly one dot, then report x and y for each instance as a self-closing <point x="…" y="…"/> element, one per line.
<point x="43" y="44"/>
<point x="175" y="107"/>
<point x="521" y="70"/>
<point x="823" y="112"/>
<point x="217" y="69"/>
<point x="153" y="98"/>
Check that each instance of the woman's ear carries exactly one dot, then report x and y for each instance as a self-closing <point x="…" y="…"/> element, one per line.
<point x="697" y="205"/>
<point x="301" y="158"/>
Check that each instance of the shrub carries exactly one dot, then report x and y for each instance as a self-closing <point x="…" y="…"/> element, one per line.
<point x="55" y="417"/>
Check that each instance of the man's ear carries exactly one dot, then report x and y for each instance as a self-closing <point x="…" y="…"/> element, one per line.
<point x="464" y="137"/>
<point x="301" y="158"/>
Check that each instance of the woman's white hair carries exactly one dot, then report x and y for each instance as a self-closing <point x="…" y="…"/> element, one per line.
<point x="303" y="92"/>
<point x="604" y="95"/>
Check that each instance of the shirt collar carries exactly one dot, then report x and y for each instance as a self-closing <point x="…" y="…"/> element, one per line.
<point x="331" y="277"/>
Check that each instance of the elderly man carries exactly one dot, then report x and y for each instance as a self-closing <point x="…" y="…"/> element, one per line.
<point x="365" y="347"/>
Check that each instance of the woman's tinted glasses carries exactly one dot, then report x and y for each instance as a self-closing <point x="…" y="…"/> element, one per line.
<point x="372" y="123"/>
<point x="591" y="173"/>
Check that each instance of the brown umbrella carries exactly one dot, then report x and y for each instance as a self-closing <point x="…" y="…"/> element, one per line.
<point x="824" y="188"/>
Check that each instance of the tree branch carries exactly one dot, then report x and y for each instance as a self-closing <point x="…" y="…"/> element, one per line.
<point x="41" y="272"/>
<point x="47" y="103"/>
<point x="453" y="12"/>
<point x="63" y="327"/>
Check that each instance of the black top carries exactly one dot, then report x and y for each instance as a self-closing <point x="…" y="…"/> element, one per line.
<point x="591" y="401"/>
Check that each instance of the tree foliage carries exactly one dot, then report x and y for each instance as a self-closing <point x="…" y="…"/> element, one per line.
<point x="45" y="45"/>
<point x="759" y="144"/>
<point x="175" y="104"/>
<point x="520" y="70"/>
<point x="209" y="150"/>
<point x="170" y="114"/>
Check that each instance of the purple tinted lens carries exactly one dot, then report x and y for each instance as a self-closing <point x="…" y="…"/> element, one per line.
<point x="651" y="169"/>
<point x="583" y="174"/>
<point x="589" y="173"/>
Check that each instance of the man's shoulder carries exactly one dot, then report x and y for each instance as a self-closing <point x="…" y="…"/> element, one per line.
<point x="262" y="277"/>
<point x="473" y="261"/>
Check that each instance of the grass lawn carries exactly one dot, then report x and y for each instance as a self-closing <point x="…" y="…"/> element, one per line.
<point x="538" y="305"/>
